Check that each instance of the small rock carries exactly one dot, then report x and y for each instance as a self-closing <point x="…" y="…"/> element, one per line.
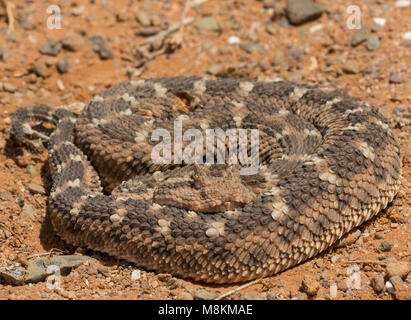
<point x="135" y="275"/>
<point x="361" y="35"/>
<point x="37" y="269"/>
<point x="8" y="87"/>
<point x="4" y="53"/>
<point x="389" y="287"/>
<point x="350" y="67"/>
<point x="203" y="294"/>
<point x="372" y="43"/>
<point x="121" y="16"/>
<point x="251" y="296"/>
<point x="272" y="296"/>
<point x="164" y="277"/>
<point x="51" y="47"/>
<point x="342" y="285"/>
<point x="6" y="196"/>
<point x="250" y="47"/>
<point x="400" y="269"/>
<point x="300" y="296"/>
<point x="379" y="21"/>
<point x="385" y="246"/>
<point x="208" y="24"/>
<point x="13" y="275"/>
<point x="29" y="211"/>
<point x="278" y="59"/>
<point x="101" y="47"/>
<point x="294" y="53"/>
<point x="233" y="40"/>
<point x="62" y="65"/>
<point x="36" y="188"/>
<point x="396" y="78"/>
<point x="302" y="11"/>
<point x="31" y="170"/>
<point x="403" y="3"/>
<point x="92" y="269"/>
<point x="143" y="19"/>
<point x="310" y="286"/>
<point x="38" y="70"/>
<point x="215" y="69"/>
<point x="271" y="28"/>
<point x="377" y="284"/>
<point x="72" y="41"/>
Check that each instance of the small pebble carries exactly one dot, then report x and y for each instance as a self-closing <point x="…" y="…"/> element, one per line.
<point x="401" y="269"/>
<point x="208" y="24"/>
<point x="143" y="19"/>
<point x="51" y="47"/>
<point x="251" y="296"/>
<point x="372" y="43"/>
<point x="36" y="188"/>
<point x="361" y="35"/>
<point x="135" y="275"/>
<point x="302" y="11"/>
<point x="62" y="65"/>
<point x="385" y="246"/>
<point x="300" y="296"/>
<point x="72" y="41"/>
<point x="350" y="67"/>
<point x="233" y="40"/>
<point x="8" y="87"/>
<point x="377" y="284"/>
<point x="310" y="286"/>
<point x="251" y="47"/>
<point x="203" y="294"/>
<point x="389" y="287"/>
<point x="396" y="78"/>
<point x="38" y="70"/>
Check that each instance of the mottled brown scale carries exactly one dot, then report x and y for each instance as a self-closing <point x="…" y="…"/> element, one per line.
<point x="327" y="163"/>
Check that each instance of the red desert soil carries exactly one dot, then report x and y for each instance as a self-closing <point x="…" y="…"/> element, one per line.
<point x="240" y="38"/>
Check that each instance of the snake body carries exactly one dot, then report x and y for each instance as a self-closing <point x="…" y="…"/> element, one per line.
<point x="327" y="163"/>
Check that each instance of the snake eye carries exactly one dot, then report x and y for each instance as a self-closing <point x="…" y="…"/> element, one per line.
<point x="196" y="185"/>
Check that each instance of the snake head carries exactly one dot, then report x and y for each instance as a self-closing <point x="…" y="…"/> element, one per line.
<point x="206" y="189"/>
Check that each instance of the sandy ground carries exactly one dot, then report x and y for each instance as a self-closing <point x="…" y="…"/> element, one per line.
<point x="317" y="52"/>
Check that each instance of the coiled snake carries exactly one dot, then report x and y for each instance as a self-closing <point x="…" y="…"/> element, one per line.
<point x="327" y="163"/>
